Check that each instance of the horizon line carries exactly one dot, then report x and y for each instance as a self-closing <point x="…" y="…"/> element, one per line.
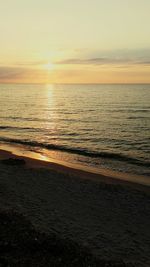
<point x="121" y="83"/>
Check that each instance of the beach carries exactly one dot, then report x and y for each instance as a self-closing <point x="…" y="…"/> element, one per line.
<point x="110" y="217"/>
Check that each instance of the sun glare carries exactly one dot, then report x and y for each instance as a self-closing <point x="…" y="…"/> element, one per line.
<point x="49" y="66"/>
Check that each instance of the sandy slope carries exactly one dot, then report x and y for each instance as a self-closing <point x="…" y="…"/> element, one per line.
<point x="112" y="219"/>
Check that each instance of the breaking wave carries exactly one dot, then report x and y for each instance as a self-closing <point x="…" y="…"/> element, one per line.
<point x="83" y="152"/>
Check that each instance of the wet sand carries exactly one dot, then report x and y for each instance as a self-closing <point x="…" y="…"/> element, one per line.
<point x="109" y="216"/>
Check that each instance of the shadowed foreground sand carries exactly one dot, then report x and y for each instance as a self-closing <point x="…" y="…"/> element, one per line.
<point x="22" y="245"/>
<point x="110" y="220"/>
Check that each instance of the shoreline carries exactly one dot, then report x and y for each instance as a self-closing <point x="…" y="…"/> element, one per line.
<point x="36" y="160"/>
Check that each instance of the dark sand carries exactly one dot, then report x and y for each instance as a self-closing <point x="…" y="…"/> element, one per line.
<point x="108" y="217"/>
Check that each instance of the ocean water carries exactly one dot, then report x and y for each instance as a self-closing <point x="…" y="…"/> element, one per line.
<point x="104" y="126"/>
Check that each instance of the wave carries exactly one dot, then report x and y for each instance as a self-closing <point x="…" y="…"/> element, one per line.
<point x="34" y="119"/>
<point x="83" y="152"/>
<point x="30" y="129"/>
<point x="21" y="118"/>
<point x="137" y="118"/>
<point x="19" y="128"/>
<point x="24" y="118"/>
<point x="126" y="110"/>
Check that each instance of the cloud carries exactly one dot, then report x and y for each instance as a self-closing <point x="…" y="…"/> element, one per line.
<point x="115" y="57"/>
<point x="104" y="61"/>
<point x="144" y="62"/>
<point x="11" y="72"/>
<point x="21" y="74"/>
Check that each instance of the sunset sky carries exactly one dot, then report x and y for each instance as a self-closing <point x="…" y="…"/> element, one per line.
<point x="82" y="41"/>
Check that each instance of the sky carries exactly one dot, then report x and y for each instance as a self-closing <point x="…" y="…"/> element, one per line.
<point x="82" y="41"/>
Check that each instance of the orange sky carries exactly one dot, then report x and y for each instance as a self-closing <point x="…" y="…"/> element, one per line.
<point x="66" y="41"/>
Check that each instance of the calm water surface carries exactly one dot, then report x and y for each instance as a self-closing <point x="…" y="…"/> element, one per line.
<point x="105" y="126"/>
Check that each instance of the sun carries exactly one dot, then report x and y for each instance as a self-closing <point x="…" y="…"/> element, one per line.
<point x="49" y="66"/>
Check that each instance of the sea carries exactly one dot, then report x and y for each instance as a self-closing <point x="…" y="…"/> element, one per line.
<point x="104" y="126"/>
